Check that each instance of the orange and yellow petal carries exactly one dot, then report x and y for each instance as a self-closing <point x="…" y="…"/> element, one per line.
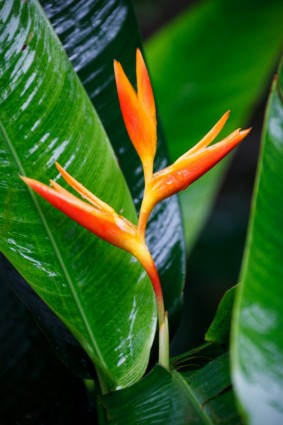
<point x="145" y="93"/>
<point x="110" y="227"/>
<point x="139" y="125"/>
<point x="187" y="169"/>
<point x="85" y="193"/>
<point x="209" y="137"/>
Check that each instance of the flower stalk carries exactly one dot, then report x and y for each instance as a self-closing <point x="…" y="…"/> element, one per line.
<point x="147" y="262"/>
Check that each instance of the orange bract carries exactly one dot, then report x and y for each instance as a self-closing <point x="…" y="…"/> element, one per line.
<point x="138" y="110"/>
<point x="99" y="218"/>
<point x="192" y="165"/>
<point x="139" y="114"/>
<point x="145" y="93"/>
<point x="188" y="168"/>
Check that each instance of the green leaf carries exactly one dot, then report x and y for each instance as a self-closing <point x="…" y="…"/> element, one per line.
<point x="219" y="330"/>
<point x="99" y="292"/>
<point x="197" y="357"/>
<point x="202" y="397"/>
<point x="258" y="320"/>
<point x="93" y="34"/>
<point x="215" y="57"/>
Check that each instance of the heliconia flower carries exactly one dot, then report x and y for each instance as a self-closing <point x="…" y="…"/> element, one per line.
<point x="95" y="215"/>
<point x="102" y="220"/>
<point x="189" y="167"/>
<point x="139" y="114"/>
<point x="138" y="110"/>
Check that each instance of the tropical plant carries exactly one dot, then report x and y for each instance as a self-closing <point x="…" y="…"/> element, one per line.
<point x="105" y="311"/>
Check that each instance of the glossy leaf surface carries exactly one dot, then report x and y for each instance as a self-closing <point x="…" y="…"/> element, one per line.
<point x="217" y="56"/>
<point x="197" y="357"/>
<point x="200" y="397"/>
<point x="258" y="318"/>
<point x="99" y="292"/>
<point x="94" y="33"/>
<point x="219" y="330"/>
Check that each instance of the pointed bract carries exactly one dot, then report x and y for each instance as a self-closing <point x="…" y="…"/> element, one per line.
<point x="113" y="228"/>
<point x="209" y="137"/>
<point x="145" y="93"/>
<point x="85" y="193"/>
<point x="141" y="126"/>
<point x="189" y="168"/>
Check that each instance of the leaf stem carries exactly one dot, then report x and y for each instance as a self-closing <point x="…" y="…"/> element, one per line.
<point x="98" y="390"/>
<point x="102" y="382"/>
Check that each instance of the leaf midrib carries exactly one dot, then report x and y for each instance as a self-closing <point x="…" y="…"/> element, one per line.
<point x="184" y="384"/>
<point x="55" y="249"/>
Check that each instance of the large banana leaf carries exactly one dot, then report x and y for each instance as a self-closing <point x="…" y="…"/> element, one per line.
<point x="99" y="292"/>
<point x="217" y="56"/>
<point x="166" y="397"/>
<point x="257" y="344"/>
<point x="93" y="34"/>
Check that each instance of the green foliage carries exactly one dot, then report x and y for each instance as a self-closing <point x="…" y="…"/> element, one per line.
<point x="170" y="397"/>
<point x="219" y="330"/>
<point x="258" y="320"/>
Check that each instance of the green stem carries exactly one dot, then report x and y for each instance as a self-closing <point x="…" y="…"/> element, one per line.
<point x="102" y="382"/>
<point x="100" y="388"/>
<point x="164" y="343"/>
<point x="95" y="400"/>
<point x="100" y="411"/>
